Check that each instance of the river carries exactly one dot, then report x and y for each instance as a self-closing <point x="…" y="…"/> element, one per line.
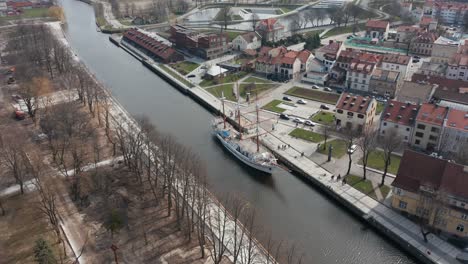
<point x="292" y="209"/>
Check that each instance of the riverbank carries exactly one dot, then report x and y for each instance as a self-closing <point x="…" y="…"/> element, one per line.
<point x="392" y="225"/>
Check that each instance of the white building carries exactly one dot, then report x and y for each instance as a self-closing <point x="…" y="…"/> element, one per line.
<point x="355" y="112"/>
<point x="446" y="12"/>
<point x="454" y="131"/>
<point x="399" y="117"/>
<point x="458" y="68"/>
<point x="397" y="62"/>
<point x="251" y="40"/>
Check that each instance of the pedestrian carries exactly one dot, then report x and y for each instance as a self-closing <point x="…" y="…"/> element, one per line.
<point x="333" y="177"/>
<point x="339" y="177"/>
<point x="302" y="154"/>
<point x="278" y="147"/>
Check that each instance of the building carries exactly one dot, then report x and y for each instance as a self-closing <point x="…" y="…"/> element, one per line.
<point x="251" y="40"/>
<point x="428" y="23"/>
<point x="453" y="93"/>
<point x="355" y="112"/>
<point x="399" y="117"/>
<point x="155" y="49"/>
<point x="306" y="57"/>
<point x="206" y="46"/>
<point x="385" y="83"/>
<point x="443" y="49"/>
<point x="416" y="92"/>
<point x="433" y="190"/>
<point x="406" y="33"/>
<point x="377" y="29"/>
<point x="428" y="127"/>
<point x="270" y="29"/>
<point x="458" y="68"/>
<point x="455" y="131"/>
<point x="449" y="12"/>
<point x="3" y="8"/>
<point x="279" y="61"/>
<point x="397" y="62"/>
<point x="360" y="71"/>
<point x="328" y="54"/>
<point x="19" y="5"/>
<point x="422" y="44"/>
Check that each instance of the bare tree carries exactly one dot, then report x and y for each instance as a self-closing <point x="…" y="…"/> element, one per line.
<point x="350" y="137"/>
<point x="391" y="142"/>
<point x="30" y="92"/>
<point x="238" y="207"/>
<point x="367" y="143"/>
<point x="13" y="155"/>
<point x="218" y="222"/>
<point x="326" y="132"/>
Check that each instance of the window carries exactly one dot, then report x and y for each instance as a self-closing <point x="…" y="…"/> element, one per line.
<point x="460" y="227"/>
<point x="403" y="205"/>
<point x="407" y="129"/>
<point x="383" y="131"/>
<point x="406" y="137"/>
<point x="397" y="67"/>
<point x="339" y="111"/>
<point x="360" y="116"/>
<point x="421" y="126"/>
<point x="385" y="124"/>
<point x="417" y="142"/>
<point x="396" y="126"/>
<point x="350" y="114"/>
<point x="419" y="134"/>
<point x="433" y="138"/>
<point x="435" y="129"/>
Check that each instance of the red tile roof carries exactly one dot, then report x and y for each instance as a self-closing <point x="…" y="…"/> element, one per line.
<point x="159" y="49"/>
<point x="408" y="29"/>
<point x="400" y="113"/>
<point x="425" y="21"/>
<point x="396" y="59"/>
<point x="19" y="5"/>
<point x="304" y="55"/>
<point x="457" y="119"/>
<point x="417" y="169"/>
<point x="268" y="25"/>
<point x="354" y="103"/>
<point x="425" y="37"/>
<point x="377" y="24"/>
<point x="331" y="49"/>
<point x="432" y="114"/>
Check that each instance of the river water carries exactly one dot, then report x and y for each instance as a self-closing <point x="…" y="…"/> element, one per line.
<point x="289" y="207"/>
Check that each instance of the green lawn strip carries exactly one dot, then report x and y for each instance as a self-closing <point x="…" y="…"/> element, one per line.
<point x="380" y="108"/>
<point x="325" y="97"/>
<point x="273" y="106"/>
<point x="384" y="190"/>
<point x="324" y="118"/>
<point x="307" y="135"/>
<point x="101" y="21"/>
<point x="252" y="79"/>
<point x="185" y="67"/>
<point x="125" y="22"/>
<point x="339" y="148"/>
<point x="175" y="75"/>
<point x="259" y="88"/>
<point x="358" y="183"/>
<point x="217" y="91"/>
<point x="28" y="13"/>
<point x="343" y="30"/>
<point x="376" y="161"/>
<point x="233" y="77"/>
<point x="286" y="10"/>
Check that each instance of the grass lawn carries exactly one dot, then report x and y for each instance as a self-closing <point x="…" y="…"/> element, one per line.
<point x="365" y="186"/>
<point x="325" y="97"/>
<point x="125" y="22"/>
<point x="175" y="75"/>
<point x="273" y="106"/>
<point x="230" y="78"/>
<point x="185" y="67"/>
<point x="307" y="135"/>
<point x="323" y="117"/>
<point x="380" y="108"/>
<point x="217" y="91"/>
<point x="28" y="13"/>
<point x="343" y="30"/>
<point x="252" y="79"/>
<point x="101" y="21"/>
<point x="311" y="33"/>
<point x="339" y="148"/>
<point x="259" y="88"/>
<point x="376" y="161"/>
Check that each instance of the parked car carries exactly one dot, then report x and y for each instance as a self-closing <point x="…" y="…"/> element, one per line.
<point x="298" y="120"/>
<point x="20" y="115"/>
<point x="309" y="123"/>
<point x="324" y="107"/>
<point x="328" y="89"/>
<point x="16" y="97"/>
<point x="352" y="149"/>
<point x="417" y="57"/>
<point x="191" y="76"/>
<point x="349" y="37"/>
<point x="285" y="98"/>
<point x="315" y="87"/>
<point x="11" y="80"/>
<point x="415" y="61"/>
<point x="40" y="137"/>
<point x="284" y="116"/>
<point x="300" y="101"/>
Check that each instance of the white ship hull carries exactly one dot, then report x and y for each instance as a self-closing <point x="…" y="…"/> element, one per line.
<point x="263" y="168"/>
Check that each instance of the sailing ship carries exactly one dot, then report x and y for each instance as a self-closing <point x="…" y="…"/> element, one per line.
<point x="232" y="141"/>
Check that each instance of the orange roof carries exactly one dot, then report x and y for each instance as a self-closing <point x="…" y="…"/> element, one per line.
<point x="457" y="119"/>
<point x="432" y="114"/>
<point x="377" y="24"/>
<point x="354" y="103"/>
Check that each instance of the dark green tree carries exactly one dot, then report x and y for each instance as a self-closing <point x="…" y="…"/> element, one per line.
<point x="115" y="222"/>
<point x="43" y="253"/>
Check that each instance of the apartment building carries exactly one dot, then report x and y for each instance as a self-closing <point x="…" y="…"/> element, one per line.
<point x="455" y="131"/>
<point x="328" y="54"/>
<point x="360" y="70"/>
<point x="400" y="117"/>
<point x="385" y="83"/>
<point x="355" y="112"/>
<point x="433" y="190"/>
<point x="279" y="61"/>
<point x="449" y="12"/>
<point x="422" y="44"/>
<point x="428" y="126"/>
<point x="251" y="40"/>
<point x="406" y="33"/>
<point x="443" y="50"/>
<point x="397" y="62"/>
<point x="377" y="29"/>
<point x="270" y="29"/>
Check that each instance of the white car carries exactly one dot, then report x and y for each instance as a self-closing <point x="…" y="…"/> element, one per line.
<point x="328" y="89"/>
<point x="309" y="123"/>
<point x="300" y="101"/>
<point x="298" y="120"/>
<point x="352" y="149"/>
<point x="315" y="87"/>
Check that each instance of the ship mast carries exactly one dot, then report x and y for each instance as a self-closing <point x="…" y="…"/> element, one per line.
<point x="258" y="121"/>
<point x="224" y="115"/>
<point x="238" y="112"/>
